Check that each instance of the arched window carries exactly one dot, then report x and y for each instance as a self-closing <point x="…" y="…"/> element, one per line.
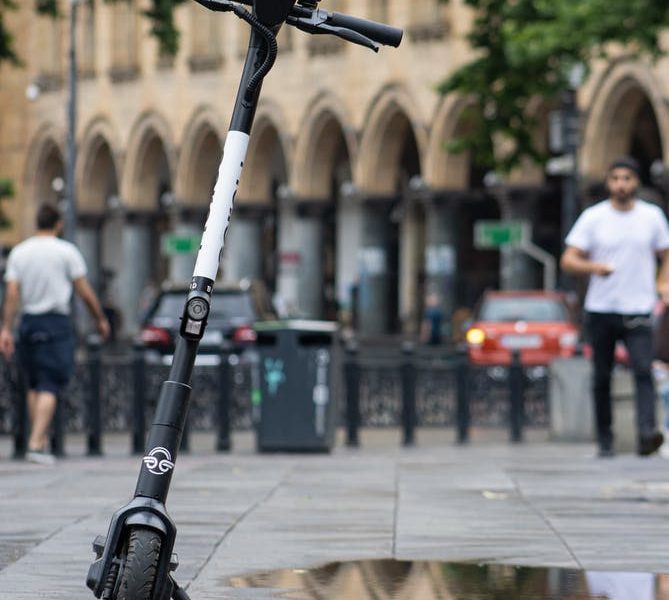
<point x="50" y="60"/>
<point x="205" y="39"/>
<point x="428" y="20"/>
<point x="86" y="38"/>
<point x="124" y="41"/>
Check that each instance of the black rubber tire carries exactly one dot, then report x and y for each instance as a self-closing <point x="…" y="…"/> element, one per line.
<point x="138" y="578"/>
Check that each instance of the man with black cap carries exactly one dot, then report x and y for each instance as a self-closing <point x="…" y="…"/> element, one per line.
<point x="616" y="242"/>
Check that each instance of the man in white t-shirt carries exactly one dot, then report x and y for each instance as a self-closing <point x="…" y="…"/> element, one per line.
<point x="617" y="242"/>
<point x="40" y="276"/>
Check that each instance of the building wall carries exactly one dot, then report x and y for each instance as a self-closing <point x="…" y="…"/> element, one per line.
<point x="343" y="139"/>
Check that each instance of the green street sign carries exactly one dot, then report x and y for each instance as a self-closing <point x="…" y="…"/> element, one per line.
<point x="495" y="234"/>
<point x="174" y="243"/>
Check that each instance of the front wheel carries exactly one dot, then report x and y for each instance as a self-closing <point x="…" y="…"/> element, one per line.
<point x="138" y="575"/>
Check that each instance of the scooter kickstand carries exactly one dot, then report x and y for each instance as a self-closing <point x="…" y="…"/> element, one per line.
<point x="177" y="592"/>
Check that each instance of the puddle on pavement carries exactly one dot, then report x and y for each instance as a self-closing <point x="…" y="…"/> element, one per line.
<point x="396" y="580"/>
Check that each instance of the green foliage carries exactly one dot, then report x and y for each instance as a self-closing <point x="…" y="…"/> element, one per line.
<point x="525" y="49"/>
<point x="6" y="191"/>
<point x="161" y="15"/>
<point x="47" y="7"/>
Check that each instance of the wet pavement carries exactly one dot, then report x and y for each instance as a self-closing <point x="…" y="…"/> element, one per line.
<point x="535" y="504"/>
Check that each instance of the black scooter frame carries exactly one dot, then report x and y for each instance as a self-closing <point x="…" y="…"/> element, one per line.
<point x="148" y="505"/>
<point x="147" y="508"/>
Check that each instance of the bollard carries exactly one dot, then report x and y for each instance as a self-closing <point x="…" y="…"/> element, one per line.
<point x="462" y="398"/>
<point x="408" y="394"/>
<point x="94" y="402"/>
<point x="352" y="385"/>
<point x="516" y="393"/>
<point x="20" y="410"/>
<point x="139" y="397"/>
<point x="223" y="443"/>
<point x="58" y="428"/>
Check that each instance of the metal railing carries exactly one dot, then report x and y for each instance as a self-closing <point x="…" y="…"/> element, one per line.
<point x="403" y="386"/>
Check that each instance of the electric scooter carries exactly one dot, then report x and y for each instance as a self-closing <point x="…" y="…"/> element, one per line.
<point x="134" y="561"/>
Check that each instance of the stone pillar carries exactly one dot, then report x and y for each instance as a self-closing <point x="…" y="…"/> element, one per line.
<point x="286" y="300"/>
<point x="242" y="254"/>
<point x="135" y="275"/>
<point x="441" y="256"/>
<point x="517" y="270"/>
<point x="186" y="222"/>
<point x="309" y="228"/>
<point x="374" y="289"/>
<point x="349" y="240"/>
<point x="87" y="239"/>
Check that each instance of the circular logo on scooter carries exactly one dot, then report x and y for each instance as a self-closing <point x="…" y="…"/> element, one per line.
<point x="158" y="461"/>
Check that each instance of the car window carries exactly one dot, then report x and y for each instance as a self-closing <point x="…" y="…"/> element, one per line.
<point x="523" y="309"/>
<point x="224" y="307"/>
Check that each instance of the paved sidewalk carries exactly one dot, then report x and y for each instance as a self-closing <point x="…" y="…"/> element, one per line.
<point x="532" y="504"/>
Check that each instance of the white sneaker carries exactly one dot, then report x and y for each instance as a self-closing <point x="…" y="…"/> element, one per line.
<point x="40" y="457"/>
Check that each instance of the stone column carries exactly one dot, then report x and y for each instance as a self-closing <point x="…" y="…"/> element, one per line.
<point x="186" y="222"/>
<point x="289" y="261"/>
<point x="517" y="270"/>
<point x="374" y="288"/>
<point x="441" y="255"/>
<point x="309" y="229"/>
<point x="87" y="239"/>
<point x="349" y="240"/>
<point x="242" y="254"/>
<point x="135" y="275"/>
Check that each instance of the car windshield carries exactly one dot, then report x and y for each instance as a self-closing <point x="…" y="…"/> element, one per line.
<point x="224" y="307"/>
<point x="523" y="309"/>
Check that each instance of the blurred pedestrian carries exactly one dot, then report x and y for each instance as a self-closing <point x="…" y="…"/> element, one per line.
<point x="616" y="242"/>
<point x="41" y="273"/>
<point x="433" y="319"/>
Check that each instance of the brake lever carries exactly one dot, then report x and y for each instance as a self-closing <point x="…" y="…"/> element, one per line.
<point x="217" y="5"/>
<point x="315" y="23"/>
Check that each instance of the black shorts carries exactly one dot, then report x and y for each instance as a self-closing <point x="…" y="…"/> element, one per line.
<point x="46" y="351"/>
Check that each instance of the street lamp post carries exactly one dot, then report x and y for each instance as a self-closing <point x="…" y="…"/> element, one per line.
<point x="571" y="139"/>
<point x="70" y="219"/>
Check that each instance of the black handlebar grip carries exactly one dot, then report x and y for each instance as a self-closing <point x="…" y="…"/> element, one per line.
<point x="378" y="32"/>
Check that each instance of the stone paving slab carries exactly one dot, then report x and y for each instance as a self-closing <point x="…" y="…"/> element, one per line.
<point x="536" y="503"/>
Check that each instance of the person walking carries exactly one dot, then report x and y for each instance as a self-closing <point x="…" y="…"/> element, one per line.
<point x="40" y="276"/>
<point x="616" y="242"/>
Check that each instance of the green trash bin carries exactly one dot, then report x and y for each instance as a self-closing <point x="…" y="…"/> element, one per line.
<point x="297" y="407"/>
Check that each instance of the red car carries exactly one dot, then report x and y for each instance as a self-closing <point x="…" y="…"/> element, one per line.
<point x="536" y="323"/>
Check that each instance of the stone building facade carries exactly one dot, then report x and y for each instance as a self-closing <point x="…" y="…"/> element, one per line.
<point x="349" y="199"/>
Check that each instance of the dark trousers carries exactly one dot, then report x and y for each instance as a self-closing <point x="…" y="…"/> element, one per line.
<point x="636" y="332"/>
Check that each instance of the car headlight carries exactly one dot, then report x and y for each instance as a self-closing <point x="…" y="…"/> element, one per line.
<point x="475" y="336"/>
<point x="568" y="340"/>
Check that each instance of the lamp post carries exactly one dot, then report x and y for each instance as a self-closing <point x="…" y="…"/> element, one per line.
<point x="565" y="139"/>
<point x="70" y="216"/>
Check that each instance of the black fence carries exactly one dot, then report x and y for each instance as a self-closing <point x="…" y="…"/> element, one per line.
<point x="402" y="385"/>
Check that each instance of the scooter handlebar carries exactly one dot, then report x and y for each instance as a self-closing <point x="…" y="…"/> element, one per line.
<point x="311" y="18"/>
<point x="377" y="32"/>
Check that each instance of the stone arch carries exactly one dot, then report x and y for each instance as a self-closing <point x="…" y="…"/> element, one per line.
<point x="267" y="158"/>
<point x="97" y="168"/>
<point x="150" y="163"/>
<point x="45" y="163"/>
<point x="391" y="122"/>
<point x="444" y="169"/>
<point x="200" y="156"/>
<point x="627" y="97"/>
<point x="325" y="136"/>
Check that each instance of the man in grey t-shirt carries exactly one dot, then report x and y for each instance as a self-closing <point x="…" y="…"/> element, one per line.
<point x="41" y="274"/>
<point x="617" y="243"/>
